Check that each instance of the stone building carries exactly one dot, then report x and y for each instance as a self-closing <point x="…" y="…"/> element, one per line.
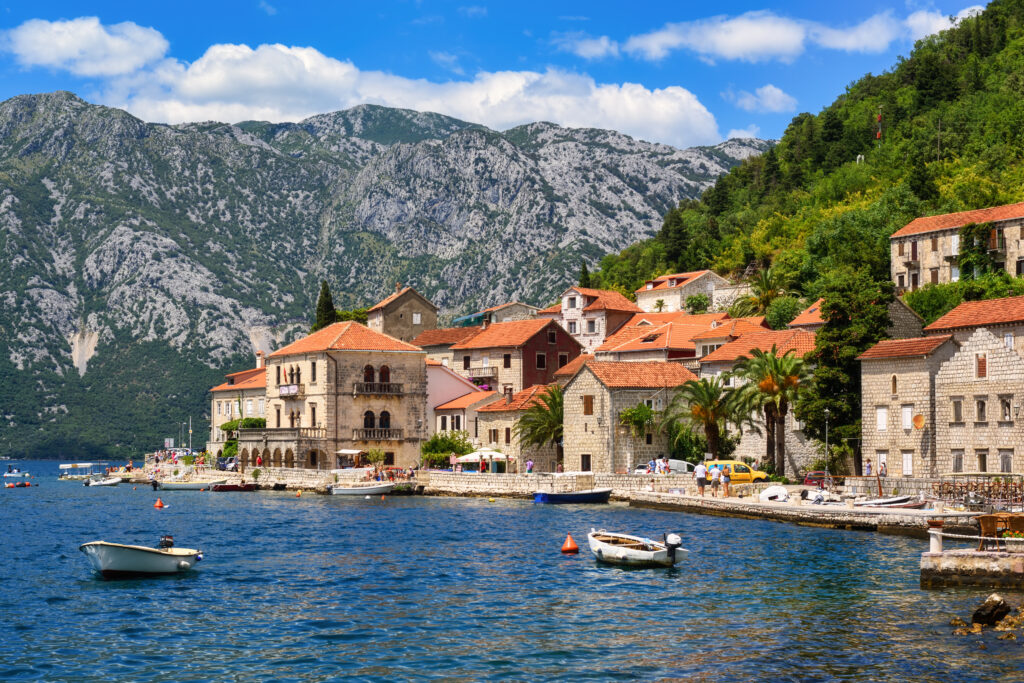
<point x="926" y="249"/>
<point x="438" y="343"/>
<point x="444" y="385"/>
<point x="567" y="372"/>
<point x="658" y="337"/>
<point x="898" y="404"/>
<point x="403" y="315"/>
<point x="496" y="428"/>
<point x="509" y="356"/>
<point x="1002" y="317"/>
<point x="593" y="399"/>
<point x="243" y="394"/>
<point x="344" y="387"/>
<point x="460" y="414"/>
<point x="590" y="315"/>
<point x="669" y="292"/>
<point x="502" y="313"/>
<point x="905" y="323"/>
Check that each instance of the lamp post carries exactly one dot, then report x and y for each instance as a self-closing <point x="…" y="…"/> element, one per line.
<point x="826" y="445"/>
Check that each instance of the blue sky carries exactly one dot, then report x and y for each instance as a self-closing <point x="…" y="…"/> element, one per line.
<point x="682" y="72"/>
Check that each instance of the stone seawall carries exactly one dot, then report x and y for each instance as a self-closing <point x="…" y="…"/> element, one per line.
<point x="524" y="485"/>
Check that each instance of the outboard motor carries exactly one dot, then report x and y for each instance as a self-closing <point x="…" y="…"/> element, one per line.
<point x="672" y="542"/>
<point x="167" y="541"/>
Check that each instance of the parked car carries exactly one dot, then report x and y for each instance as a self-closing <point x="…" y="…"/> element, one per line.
<point x="227" y="464"/>
<point x="675" y="467"/>
<point x="815" y="478"/>
<point x="742" y="473"/>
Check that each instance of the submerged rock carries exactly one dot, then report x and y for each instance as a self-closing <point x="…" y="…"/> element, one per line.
<point x="990" y="612"/>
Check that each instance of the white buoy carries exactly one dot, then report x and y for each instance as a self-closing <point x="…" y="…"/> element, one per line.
<point x="367" y="498"/>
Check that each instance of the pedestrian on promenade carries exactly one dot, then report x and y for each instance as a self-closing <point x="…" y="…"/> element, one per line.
<point x="882" y="471"/>
<point x="716" y="480"/>
<point x="529" y="466"/>
<point x="726" y="477"/>
<point x="700" y="473"/>
<point x="867" y="468"/>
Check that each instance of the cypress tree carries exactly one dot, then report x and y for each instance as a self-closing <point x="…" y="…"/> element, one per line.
<point x="325" y="311"/>
<point x="584" y="275"/>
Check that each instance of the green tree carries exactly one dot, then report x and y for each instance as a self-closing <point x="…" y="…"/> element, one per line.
<point x="584" y="275"/>
<point x="326" y="314"/>
<point x="659" y="305"/>
<point x="541" y="423"/>
<point x="702" y="405"/>
<point x="782" y="311"/>
<point x="697" y="303"/>
<point x="359" y="315"/>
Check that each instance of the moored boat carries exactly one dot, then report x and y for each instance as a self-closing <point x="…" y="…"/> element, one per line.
<point x="106" y="481"/>
<point x="117" y="560"/>
<point x="588" y="496"/>
<point x="72" y="471"/>
<point x="883" y="502"/>
<point x="188" y="485"/>
<point x="235" y="487"/>
<point x="16" y="474"/>
<point x="636" y="551"/>
<point x="366" y="490"/>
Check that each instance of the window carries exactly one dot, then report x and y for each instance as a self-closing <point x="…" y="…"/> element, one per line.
<point x="958" y="410"/>
<point x="384" y="376"/>
<point x="914" y="281"/>
<point x="456" y="422"/>
<point x="881" y="417"/>
<point x="552" y="336"/>
<point x="277" y="374"/>
<point x="262" y="408"/>
<point x="572" y="302"/>
<point x="954" y="273"/>
<point x="957" y="456"/>
<point x="368" y="374"/>
<point x="591" y="326"/>
<point x="542" y="361"/>
<point x="982" y="456"/>
<point x="650" y="439"/>
<point x="1005" y="460"/>
<point x="907" y="416"/>
<point x="485" y="362"/>
<point x="900" y="281"/>
<point x="218" y="407"/>
<point x="563" y="360"/>
<point x="979" y="410"/>
<point x="980" y="366"/>
<point x="417" y="318"/>
<point x="492" y="435"/>
<point x="368" y="420"/>
<point x="465" y="362"/>
<point x="955" y="244"/>
<point x="934" y="273"/>
<point x="900" y="248"/>
<point x="312" y="371"/>
<point x="935" y="244"/>
<point x="894" y="384"/>
<point x="277" y="417"/>
<point x="588" y="405"/>
<point x="444" y="423"/>
<point x="585" y="462"/>
<point x="248" y="406"/>
<point x="508" y="435"/>
<point x="389" y="459"/>
<point x="312" y="415"/>
<point x="384" y="422"/>
<point x="881" y="457"/>
<point x="1005" y="411"/>
<point x="1008" y="340"/>
<point x="908" y="463"/>
<point x="506" y="360"/>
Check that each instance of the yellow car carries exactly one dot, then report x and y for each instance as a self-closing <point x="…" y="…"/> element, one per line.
<point x="741" y="472"/>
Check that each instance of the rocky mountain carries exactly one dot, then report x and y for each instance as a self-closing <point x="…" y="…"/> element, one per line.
<point x="142" y="260"/>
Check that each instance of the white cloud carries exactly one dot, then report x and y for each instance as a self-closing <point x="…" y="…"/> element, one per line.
<point x="84" y="47"/>
<point x="767" y="98"/>
<point x="286" y="83"/>
<point x="586" y="47"/>
<point x="750" y="131"/>
<point x="871" y="35"/>
<point x="752" y="37"/>
<point x="473" y="11"/>
<point x="926" y="22"/>
<point x="447" y="60"/>
<point x="268" y="8"/>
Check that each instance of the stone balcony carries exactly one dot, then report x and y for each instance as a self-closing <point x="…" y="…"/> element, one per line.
<point x="292" y="391"/>
<point x="377" y="389"/>
<point x="378" y="434"/>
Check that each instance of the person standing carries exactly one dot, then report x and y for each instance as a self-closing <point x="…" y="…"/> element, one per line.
<point x="700" y="473"/>
<point x="726" y="477"/>
<point x="529" y="466"/>
<point x="882" y="470"/>
<point x="716" y="480"/>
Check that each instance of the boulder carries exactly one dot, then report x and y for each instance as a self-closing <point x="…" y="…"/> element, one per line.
<point x="990" y="612"/>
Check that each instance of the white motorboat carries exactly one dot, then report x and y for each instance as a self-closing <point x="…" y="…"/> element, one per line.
<point x="106" y="481"/>
<point x="70" y="471"/>
<point x="188" y="485"/>
<point x="115" y="559"/>
<point x="635" y="551"/>
<point x="883" y="502"/>
<point x="17" y="474"/>
<point x="375" y="489"/>
<point x="774" y="493"/>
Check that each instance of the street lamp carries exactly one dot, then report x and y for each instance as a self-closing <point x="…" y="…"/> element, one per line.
<point x="826" y="444"/>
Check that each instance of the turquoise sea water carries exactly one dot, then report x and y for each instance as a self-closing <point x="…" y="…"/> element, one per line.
<point x="323" y="588"/>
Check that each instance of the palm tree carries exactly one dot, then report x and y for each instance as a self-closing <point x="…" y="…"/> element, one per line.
<point x="541" y="423"/>
<point x="659" y="305"/>
<point x="774" y="384"/>
<point x="765" y="287"/>
<point x="704" y="405"/>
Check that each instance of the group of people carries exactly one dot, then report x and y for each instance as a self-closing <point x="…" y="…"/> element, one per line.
<point x="658" y="466"/>
<point x="719" y="476"/>
<point x="882" y="471"/>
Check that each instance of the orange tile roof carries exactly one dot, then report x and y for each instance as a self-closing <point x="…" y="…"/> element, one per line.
<point x="606" y="300"/>
<point x="798" y="340"/>
<point x="434" y="363"/>
<point x="445" y="335"/>
<point x="520" y="401"/>
<point x="504" y="305"/>
<point x="573" y="366"/>
<point x="676" y="317"/>
<point x="902" y="348"/>
<point x="948" y="221"/>
<point x="554" y="308"/>
<point x="661" y="283"/>
<point x="254" y="378"/>
<point x="346" y="336"/>
<point x="676" y="336"/>
<point x="466" y="400"/>
<point x="641" y="375"/>
<point x="732" y="327"/>
<point x="388" y="299"/>
<point x="512" y="334"/>
<point x="809" y="316"/>
<point x="980" y="313"/>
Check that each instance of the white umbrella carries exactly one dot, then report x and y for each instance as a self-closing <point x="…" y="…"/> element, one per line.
<point x="484" y="454"/>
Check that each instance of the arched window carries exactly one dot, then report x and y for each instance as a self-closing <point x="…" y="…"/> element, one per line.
<point x="385" y="374"/>
<point x="368" y="419"/>
<point x="291" y="375"/>
<point x="385" y="420"/>
<point x="298" y="375"/>
<point x="368" y="373"/>
<point x="894" y="384"/>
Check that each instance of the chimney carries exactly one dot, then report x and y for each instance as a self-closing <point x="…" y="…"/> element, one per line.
<point x="508" y="395"/>
<point x="398" y="287"/>
<point x="260" y="362"/>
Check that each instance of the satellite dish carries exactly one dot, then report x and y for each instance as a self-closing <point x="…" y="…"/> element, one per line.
<point x="918" y="421"/>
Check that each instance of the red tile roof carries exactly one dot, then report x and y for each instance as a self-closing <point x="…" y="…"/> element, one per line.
<point x="388" y="299"/>
<point x="512" y="334"/>
<point x="662" y="283"/>
<point x="520" y="401"/>
<point x="902" y="348"/>
<point x="346" y="336"/>
<point x="980" y="313"/>
<point x="704" y="319"/>
<point x="445" y="335"/>
<point x="553" y="309"/>
<point x="798" y="340"/>
<point x="255" y="378"/>
<point x="505" y="305"/>
<point x="640" y="375"/>
<point x="676" y="336"/>
<point x="810" y="316"/>
<point x="948" y="221"/>
<point x="466" y="400"/>
<point x="606" y="300"/>
<point x="732" y="327"/>
<point x="573" y="366"/>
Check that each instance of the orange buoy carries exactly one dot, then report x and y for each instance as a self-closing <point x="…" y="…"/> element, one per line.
<point x="570" y="547"/>
<point x="382" y="497"/>
<point x="158" y="504"/>
<point x="135" y="488"/>
<point x="298" y="493"/>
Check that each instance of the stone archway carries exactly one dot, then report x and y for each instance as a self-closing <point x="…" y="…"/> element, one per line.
<point x="277" y="457"/>
<point x="243" y="460"/>
<point x="220" y="453"/>
<point x="312" y="460"/>
<point x="289" y="459"/>
<point x="266" y="457"/>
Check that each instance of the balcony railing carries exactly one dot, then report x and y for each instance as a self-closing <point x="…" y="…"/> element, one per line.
<point x="283" y="433"/>
<point x="376" y="434"/>
<point x="378" y="388"/>
<point x="489" y="371"/>
<point x="292" y="391"/>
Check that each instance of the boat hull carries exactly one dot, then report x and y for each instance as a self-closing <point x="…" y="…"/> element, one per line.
<point x="188" y="485"/>
<point x="649" y="554"/>
<point x="117" y="560"/>
<point x="109" y="481"/>
<point x="375" y="490"/>
<point x="590" y="496"/>
<point x="883" y="502"/>
<point x="17" y="475"/>
<point x="234" y="487"/>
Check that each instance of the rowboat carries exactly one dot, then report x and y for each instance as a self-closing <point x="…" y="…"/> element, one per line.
<point x="588" y="496"/>
<point x="117" y="560"/>
<point x="107" y="481"/>
<point x="635" y="551"/>
<point x="883" y="502"/>
<point x="371" y="490"/>
<point x="188" y="485"/>
<point x="235" y="487"/>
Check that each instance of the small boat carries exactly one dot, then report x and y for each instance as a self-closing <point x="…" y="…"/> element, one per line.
<point x="188" y="485"/>
<point x="235" y="487"/>
<point x="72" y="471"/>
<point x="883" y="502"/>
<point x="588" y="496"/>
<point x="635" y="551"/>
<point x="116" y="560"/>
<point x="106" y="481"/>
<point x="376" y="489"/>
<point x="17" y="474"/>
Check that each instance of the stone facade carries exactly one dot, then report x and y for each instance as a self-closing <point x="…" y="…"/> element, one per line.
<point x="673" y="290"/>
<point x="497" y="429"/>
<point x="905" y="323"/>
<point x="404" y="315"/>
<point x="242" y="395"/>
<point x="591" y="327"/>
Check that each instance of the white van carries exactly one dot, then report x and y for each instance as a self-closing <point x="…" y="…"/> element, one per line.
<point x="675" y="467"/>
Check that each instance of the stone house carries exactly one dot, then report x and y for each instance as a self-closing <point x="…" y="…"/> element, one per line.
<point x="438" y="343"/>
<point x="978" y="397"/>
<point x="721" y="332"/>
<point x="460" y="413"/>
<point x="344" y="387"/>
<point x="496" y="428"/>
<point x="673" y="290"/>
<point x="567" y="372"/>
<point x="905" y="323"/>
<point x="594" y="441"/>
<point x="926" y="249"/>
<point x="1002" y="317"/>
<point x="444" y="385"/>
<point x="508" y="357"/>
<point x="800" y="449"/>
<point x="403" y="315"/>
<point x="590" y="315"/>
<point x="243" y="394"/>
<point x="658" y="337"/>
<point x="898" y="404"/>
